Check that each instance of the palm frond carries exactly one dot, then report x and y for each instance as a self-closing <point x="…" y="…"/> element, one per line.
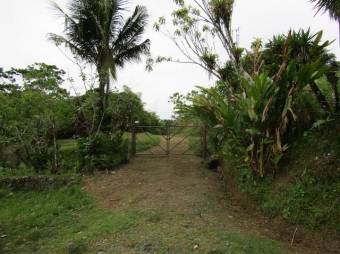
<point x="332" y="6"/>
<point x="133" y="28"/>
<point x="116" y="10"/>
<point x="59" y="40"/>
<point x="62" y="13"/>
<point x="132" y="54"/>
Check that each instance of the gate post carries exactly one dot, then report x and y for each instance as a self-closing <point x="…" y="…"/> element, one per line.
<point x="133" y="141"/>
<point x="205" y="142"/>
<point x="168" y="138"/>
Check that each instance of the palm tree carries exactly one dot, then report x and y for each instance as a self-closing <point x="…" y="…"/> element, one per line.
<point x="332" y="6"/>
<point x="96" y="31"/>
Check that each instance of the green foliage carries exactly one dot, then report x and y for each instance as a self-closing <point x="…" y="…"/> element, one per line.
<point x="96" y="32"/>
<point x="30" y="120"/>
<point x="42" y="77"/>
<point x="145" y="141"/>
<point x="69" y="152"/>
<point x="222" y="10"/>
<point x="332" y="6"/>
<point x="194" y="30"/>
<point x="255" y="119"/>
<point x="302" y="48"/>
<point x="35" y="112"/>
<point x="308" y="192"/>
<point x="71" y="158"/>
<point x="102" y="152"/>
<point x="63" y="220"/>
<point x="126" y="107"/>
<point x="32" y="116"/>
<point x="238" y="243"/>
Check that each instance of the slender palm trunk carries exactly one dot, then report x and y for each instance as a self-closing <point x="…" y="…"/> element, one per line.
<point x="104" y="84"/>
<point x="103" y="90"/>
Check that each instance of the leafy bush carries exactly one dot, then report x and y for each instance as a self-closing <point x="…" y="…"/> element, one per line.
<point x="255" y="119"/>
<point x="308" y="191"/>
<point x="35" y="111"/>
<point x="103" y="151"/>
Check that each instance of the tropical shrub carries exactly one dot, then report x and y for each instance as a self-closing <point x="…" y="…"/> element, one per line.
<point x="256" y="117"/>
<point x="34" y="113"/>
<point x="103" y="152"/>
<point x="37" y="115"/>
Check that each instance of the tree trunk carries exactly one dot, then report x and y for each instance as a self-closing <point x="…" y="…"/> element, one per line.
<point x="104" y="81"/>
<point x="104" y="84"/>
<point x="321" y="98"/>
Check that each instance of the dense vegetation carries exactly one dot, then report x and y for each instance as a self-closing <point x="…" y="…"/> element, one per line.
<point x="63" y="220"/>
<point x="36" y="113"/>
<point x="273" y="117"/>
<point x="265" y="99"/>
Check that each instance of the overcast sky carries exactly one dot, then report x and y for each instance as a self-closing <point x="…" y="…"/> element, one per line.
<point x="24" y="25"/>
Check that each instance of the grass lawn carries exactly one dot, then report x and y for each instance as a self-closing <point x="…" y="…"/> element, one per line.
<point x="68" y="144"/>
<point x="144" y="142"/>
<point x="67" y="220"/>
<point x="55" y="221"/>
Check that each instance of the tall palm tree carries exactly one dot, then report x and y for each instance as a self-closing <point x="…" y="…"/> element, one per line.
<point x="332" y="6"/>
<point x="96" y="31"/>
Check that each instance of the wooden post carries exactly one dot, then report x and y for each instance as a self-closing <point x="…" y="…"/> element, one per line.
<point x="205" y="142"/>
<point x="168" y="139"/>
<point x="133" y="141"/>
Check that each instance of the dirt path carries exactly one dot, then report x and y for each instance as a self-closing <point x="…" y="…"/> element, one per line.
<point x="186" y="210"/>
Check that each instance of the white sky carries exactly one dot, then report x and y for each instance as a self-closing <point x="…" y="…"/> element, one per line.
<point x="24" y="25"/>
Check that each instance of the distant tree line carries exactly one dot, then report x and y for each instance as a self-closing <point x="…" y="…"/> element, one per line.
<point x="35" y="112"/>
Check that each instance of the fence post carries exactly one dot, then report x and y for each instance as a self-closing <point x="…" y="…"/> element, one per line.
<point x="205" y="142"/>
<point x="168" y="138"/>
<point x="133" y="141"/>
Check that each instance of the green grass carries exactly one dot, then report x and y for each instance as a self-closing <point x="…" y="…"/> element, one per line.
<point x="195" y="144"/>
<point x="312" y="195"/>
<point x="69" y="155"/>
<point x="66" y="220"/>
<point x="146" y="141"/>
<point x="308" y="189"/>
<point x="56" y="221"/>
<point x="20" y="171"/>
<point x="244" y="244"/>
<point x="68" y="150"/>
<point x="68" y="144"/>
<point x="160" y="235"/>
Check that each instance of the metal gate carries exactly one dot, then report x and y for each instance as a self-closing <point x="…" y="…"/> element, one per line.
<point x="169" y="140"/>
